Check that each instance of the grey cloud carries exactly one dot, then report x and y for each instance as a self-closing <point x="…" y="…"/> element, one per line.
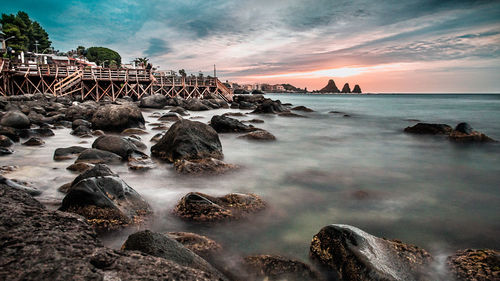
<point x="157" y="47"/>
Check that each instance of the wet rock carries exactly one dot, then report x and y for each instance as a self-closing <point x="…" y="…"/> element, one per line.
<point x="478" y="265"/>
<point x="8" y="169"/>
<point x="179" y="110"/>
<point x="349" y="253"/>
<point x="153" y="101"/>
<point x="81" y="131"/>
<point x="83" y="111"/>
<point x="195" y="105"/>
<point x="105" y="200"/>
<point x="19" y="186"/>
<point x="9" y="132"/>
<point x="302" y="108"/>
<point x="160" y="128"/>
<point x="15" y="119"/>
<point x="5" y="141"/>
<point x="123" y="147"/>
<point x="234" y="114"/>
<point x="188" y="140"/>
<point x="118" y="117"/>
<point x="134" y="131"/>
<point x="241" y="92"/>
<point x="429" y="129"/>
<point x="157" y="137"/>
<point x="38" y="132"/>
<point x="269" y="106"/>
<point x="203" y="166"/>
<point x="34" y="142"/>
<point x="291" y="114"/>
<point x="243" y="105"/>
<point x="254" y="121"/>
<point x="259" y="135"/>
<point x="5" y="151"/>
<point x="96" y="156"/>
<point x="170" y="116"/>
<point x="68" y="152"/>
<point x="200" y="207"/>
<point x="140" y="162"/>
<point x="223" y="124"/>
<point x="160" y="245"/>
<point x="64" y="188"/>
<point x="199" y="244"/>
<point x="248" y="98"/>
<point x="464" y="133"/>
<point x="79" y="167"/>
<point x="272" y="267"/>
<point x="39" y="244"/>
<point x="80" y="122"/>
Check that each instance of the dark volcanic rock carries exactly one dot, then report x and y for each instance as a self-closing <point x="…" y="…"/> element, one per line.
<point x="121" y="146"/>
<point x="105" y="200"/>
<point x="330" y="87"/>
<point x="248" y="98"/>
<point x="349" y="253"/>
<point x="5" y="141"/>
<point x="199" y="244"/>
<point x="68" y="152"/>
<point x="357" y="89"/>
<point x="464" y="128"/>
<point x="346" y="89"/>
<point x="200" y="207"/>
<point x="15" y="119"/>
<point x="429" y="129"/>
<point x="160" y="245"/>
<point x="80" y="122"/>
<point x="81" y="111"/>
<point x="19" y="186"/>
<point x="34" y="142"/>
<point x="9" y="132"/>
<point x="291" y="114"/>
<point x="246" y="105"/>
<point x="114" y="117"/>
<point x="195" y="105"/>
<point x="259" y="135"/>
<point x="464" y="133"/>
<point x="38" y="244"/>
<point x="257" y="92"/>
<point x="478" y="265"/>
<point x="179" y="110"/>
<point x="79" y="167"/>
<point x="224" y="124"/>
<point x="272" y="267"/>
<point x="81" y="131"/>
<point x="302" y="108"/>
<point x="269" y="106"/>
<point x="170" y="116"/>
<point x="96" y="156"/>
<point x="203" y="166"/>
<point x="38" y="132"/>
<point x="154" y="101"/>
<point x="5" y="151"/>
<point x="188" y="140"/>
<point x="241" y="92"/>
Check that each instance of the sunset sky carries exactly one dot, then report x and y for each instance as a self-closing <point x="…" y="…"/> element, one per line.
<point x="385" y="46"/>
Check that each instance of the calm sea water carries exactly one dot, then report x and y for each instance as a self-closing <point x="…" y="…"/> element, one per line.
<point x="360" y="170"/>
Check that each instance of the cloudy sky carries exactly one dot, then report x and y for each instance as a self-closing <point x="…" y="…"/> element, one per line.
<point x="385" y="46"/>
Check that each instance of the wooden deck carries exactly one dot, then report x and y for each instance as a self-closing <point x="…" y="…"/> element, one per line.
<point x="99" y="83"/>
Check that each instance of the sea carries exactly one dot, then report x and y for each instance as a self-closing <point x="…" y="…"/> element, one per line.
<point x="348" y="162"/>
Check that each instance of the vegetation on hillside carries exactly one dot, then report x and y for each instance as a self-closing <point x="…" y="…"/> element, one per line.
<point x="26" y="33"/>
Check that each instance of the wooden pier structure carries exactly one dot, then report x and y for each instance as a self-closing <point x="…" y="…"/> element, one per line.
<point x="99" y="83"/>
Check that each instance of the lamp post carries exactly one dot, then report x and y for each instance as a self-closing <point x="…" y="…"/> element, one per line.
<point x="36" y="46"/>
<point x="5" y="40"/>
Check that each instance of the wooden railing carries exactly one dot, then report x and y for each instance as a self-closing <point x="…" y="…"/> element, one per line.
<point x="69" y="81"/>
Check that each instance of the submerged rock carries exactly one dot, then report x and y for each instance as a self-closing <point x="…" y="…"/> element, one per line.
<point x="259" y="135"/>
<point x="224" y="124"/>
<point x="34" y="142"/>
<point x="97" y="156"/>
<point x="199" y="244"/>
<point x="179" y="110"/>
<point x="105" y="200"/>
<point x="114" y="117"/>
<point x="9" y="132"/>
<point x="302" y="108"/>
<point x="269" y="106"/>
<point x="19" y="186"/>
<point x="464" y="133"/>
<point x="15" y="119"/>
<point x="5" y="141"/>
<point x="348" y="253"/>
<point x="38" y="132"/>
<point x="188" y="140"/>
<point x="200" y="207"/>
<point x="160" y="245"/>
<point x="291" y="114"/>
<point x="170" y="116"/>
<point x="478" y="265"/>
<point x="121" y="146"/>
<point x="203" y="166"/>
<point x="429" y="129"/>
<point x="68" y="152"/>
<point x="272" y="267"/>
<point x="40" y="244"/>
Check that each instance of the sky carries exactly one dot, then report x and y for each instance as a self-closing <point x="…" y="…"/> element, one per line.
<point x="395" y="46"/>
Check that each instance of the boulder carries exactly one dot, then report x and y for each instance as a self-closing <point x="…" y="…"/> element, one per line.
<point x="348" y="253"/>
<point x="464" y="133"/>
<point x="82" y="131"/>
<point x="241" y="92"/>
<point x="224" y="124"/>
<point x="257" y="92"/>
<point x="273" y="267"/>
<point x="160" y="245"/>
<point x="105" y="200"/>
<point x="38" y="132"/>
<point x="429" y="129"/>
<point x="170" y="116"/>
<point x="5" y="141"/>
<point x="200" y="207"/>
<point x="199" y="244"/>
<point x="15" y="119"/>
<point x="203" y="166"/>
<point x="97" y="156"/>
<point x="302" y="108"/>
<point x="68" y="152"/>
<point x="9" y="132"/>
<point x="121" y="146"/>
<point x="478" y="265"/>
<point x="259" y="135"/>
<point x="34" y="142"/>
<point x="79" y="167"/>
<point x="195" y="105"/>
<point x="153" y="101"/>
<point x="248" y="98"/>
<point x="269" y="106"/>
<point x="19" y="186"/>
<point x="41" y="244"/>
<point x="80" y="122"/>
<point x="117" y="117"/>
<point x="188" y="140"/>
<point x="83" y="111"/>
<point x="179" y="110"/>
<point x="291" y="114"/>
<point x="246" y="105"/>
<point x="5" y="151"/>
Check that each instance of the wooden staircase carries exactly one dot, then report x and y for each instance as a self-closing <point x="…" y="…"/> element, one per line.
<point x="226" y="93"/>
<point x="68" y="82"/>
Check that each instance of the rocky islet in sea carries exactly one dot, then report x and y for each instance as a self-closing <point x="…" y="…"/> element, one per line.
<point x="99" y="200"/>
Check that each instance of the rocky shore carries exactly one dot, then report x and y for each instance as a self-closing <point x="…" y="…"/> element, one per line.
<point x="64" y="244"/>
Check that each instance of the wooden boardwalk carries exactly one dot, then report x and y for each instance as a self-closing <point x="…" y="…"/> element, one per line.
<point x="98" y="83"/>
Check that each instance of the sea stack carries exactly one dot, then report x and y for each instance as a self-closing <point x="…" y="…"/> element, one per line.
<point x="330" y="87"/>
<point x="346" y="89"/>
<point x="357" y="89"/>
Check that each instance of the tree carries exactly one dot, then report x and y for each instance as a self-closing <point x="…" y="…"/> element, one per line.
<point x="182" y="72"/>
<point x="81" y="51"/>
<point x="25" y="31"/>
<point x="143" y="62"/>
<point x="105" y="56"/>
